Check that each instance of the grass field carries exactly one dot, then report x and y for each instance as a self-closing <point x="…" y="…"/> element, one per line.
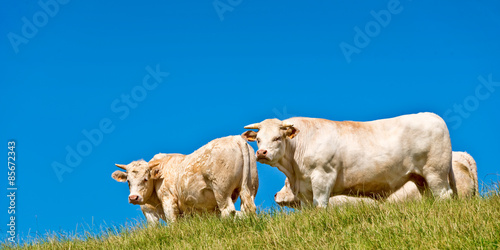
<point x="454" y="224"/>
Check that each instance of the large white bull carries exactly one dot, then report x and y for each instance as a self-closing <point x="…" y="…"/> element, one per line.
<point x="210" y="179"/>
<point x="464" y="169"/>
<point x="323" y="158"/>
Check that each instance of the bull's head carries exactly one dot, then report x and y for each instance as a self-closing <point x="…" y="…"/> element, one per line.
<point x="140" y="177"/>
<point x="271" y="137"/>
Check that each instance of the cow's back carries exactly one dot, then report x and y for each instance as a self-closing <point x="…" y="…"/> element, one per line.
<point x="216" y="168"/>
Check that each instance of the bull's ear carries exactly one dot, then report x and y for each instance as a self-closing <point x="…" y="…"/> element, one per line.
<point x="119" y="176"/>
<point x="291" y="132"/>
<point x="249" y="135"/>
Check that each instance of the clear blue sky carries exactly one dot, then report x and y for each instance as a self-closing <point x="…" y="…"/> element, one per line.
<point x="65" y="69"/>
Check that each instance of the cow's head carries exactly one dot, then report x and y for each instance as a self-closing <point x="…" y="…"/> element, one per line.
<point x="271" y="139"/>
<point x="285" y="197"/>
<point x="140" y="177"/>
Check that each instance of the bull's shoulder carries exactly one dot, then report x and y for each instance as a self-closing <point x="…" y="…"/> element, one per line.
<point x="428" y="122"/>
<point x="429" y="118"/>
<point x="309" y="124"/>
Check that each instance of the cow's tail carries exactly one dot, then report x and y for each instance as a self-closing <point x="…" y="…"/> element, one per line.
<point x="248" y="187"/>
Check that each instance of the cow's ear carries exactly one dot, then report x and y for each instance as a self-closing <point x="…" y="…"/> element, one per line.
<point x="249" y="135"/>
<point x="119" y="176"/>
<point x="155" y="173"/>
<point x="154" y="166"/>
<point x="291" y="132"/>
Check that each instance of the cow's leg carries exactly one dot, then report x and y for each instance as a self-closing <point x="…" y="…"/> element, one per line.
<point x="438" y="182"/>
<point x="322" y="184"/>
<point x="247" y="202"/>
<point x="227" y="208"/>
<point x="170" y="209"/>
<point x="224" y="202"/>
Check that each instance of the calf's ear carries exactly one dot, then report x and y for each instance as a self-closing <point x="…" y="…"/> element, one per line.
<point x="249" y="135"/>
<point x="119" y="176"/>
<point x="291" y="132"/>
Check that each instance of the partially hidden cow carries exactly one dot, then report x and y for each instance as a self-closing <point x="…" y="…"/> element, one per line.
<point x="210" y="179"/>
<point x="323" y="158"/>
<point x="286" y="198"/>
<point x="464" y="169"/>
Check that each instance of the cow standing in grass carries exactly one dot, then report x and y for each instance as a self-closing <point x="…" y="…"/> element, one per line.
<point x="210" y="179"/>
<point x="323" y="158"/>
<point x="464" y="169"/>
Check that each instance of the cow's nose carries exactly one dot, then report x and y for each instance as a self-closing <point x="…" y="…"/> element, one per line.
<point x="261" y="153"/>
<point x="133" y="197"/>
<point x="275" y="195"/>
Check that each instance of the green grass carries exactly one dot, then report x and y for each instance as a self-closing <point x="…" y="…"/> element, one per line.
<point x="454" y="224"/>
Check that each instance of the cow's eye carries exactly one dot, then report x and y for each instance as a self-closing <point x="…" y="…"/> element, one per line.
<point x="145" y="179"/>
<point x="277" y="139"/>
<point x="258" y="140"/>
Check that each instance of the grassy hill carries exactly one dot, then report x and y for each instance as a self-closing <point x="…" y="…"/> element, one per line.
<point x="463" y="224"/>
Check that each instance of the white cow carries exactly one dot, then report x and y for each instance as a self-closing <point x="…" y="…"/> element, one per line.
<point x="286" y="198"/>
<point x="464" y="169"/>
<point x="323" y="158"/>
<point x="210" y="179"/>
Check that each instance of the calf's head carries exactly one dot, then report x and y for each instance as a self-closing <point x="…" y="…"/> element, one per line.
<point x="285" y="197"/>
<point x="271" y="139"/>
<point x="140" y="177"/>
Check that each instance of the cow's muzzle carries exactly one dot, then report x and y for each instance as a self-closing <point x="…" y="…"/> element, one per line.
<point x="134" y="199"/>
<point x="262" y="155"/>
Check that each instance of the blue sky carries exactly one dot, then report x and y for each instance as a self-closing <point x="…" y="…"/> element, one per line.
<point x="73" y="66"/>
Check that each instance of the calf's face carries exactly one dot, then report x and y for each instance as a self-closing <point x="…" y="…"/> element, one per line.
<point x="140" y="178"/>
<point x="271" y="139"/>
<point x="285" y="197"/>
